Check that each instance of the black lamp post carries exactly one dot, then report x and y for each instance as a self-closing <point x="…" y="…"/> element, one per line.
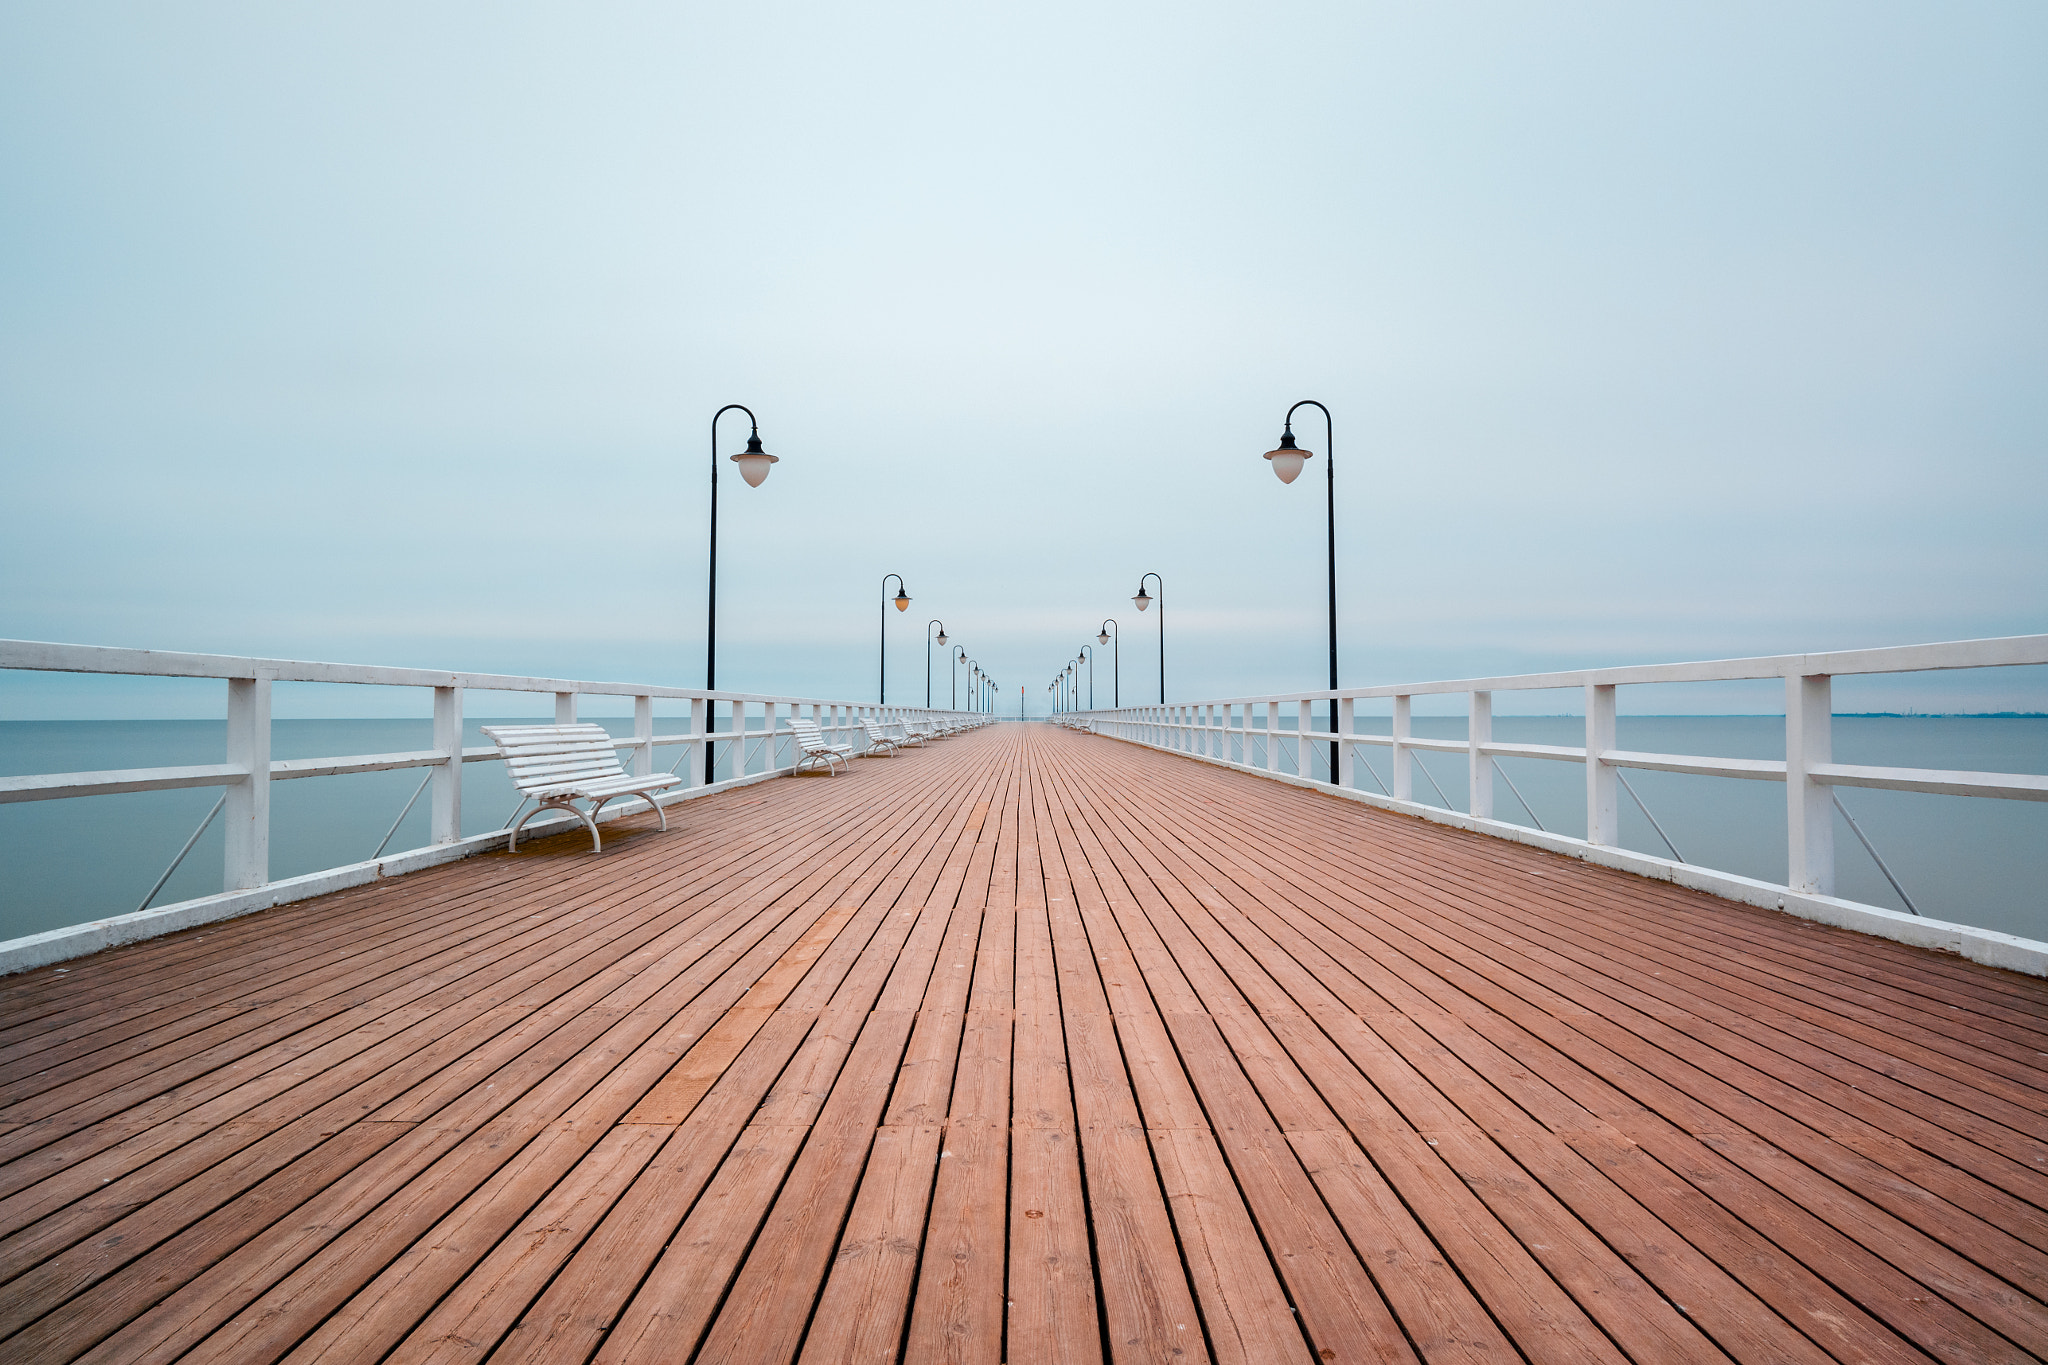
<point x="1287" y="459"/>
<point x="928" y="657"/>
<point x="754" y="463"/>
<point x="1089" y="655"/>
<point x="1109" y="632"/>
<point x="1141" y="601"/>
<point x="902" y="601"/>
<point x="953" y="673"/>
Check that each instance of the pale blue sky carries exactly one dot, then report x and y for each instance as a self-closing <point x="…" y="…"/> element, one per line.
<point x="1653" y="332"/>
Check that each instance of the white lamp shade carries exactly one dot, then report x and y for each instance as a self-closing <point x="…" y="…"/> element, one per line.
<point x="1141" y="601"/>
<point x="753" y="466"/>
<point x="1287" y="462"/>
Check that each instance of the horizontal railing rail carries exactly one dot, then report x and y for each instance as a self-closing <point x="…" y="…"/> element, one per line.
<point x="1238" y="730"/>
<point x="752" y="741"/>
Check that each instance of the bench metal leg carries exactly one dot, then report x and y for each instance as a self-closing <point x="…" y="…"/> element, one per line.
<point x="648" y="797"/>
<point x="596" y="844"/>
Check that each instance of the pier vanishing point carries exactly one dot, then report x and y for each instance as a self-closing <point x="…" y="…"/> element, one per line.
<point x="1031" y="1045"/>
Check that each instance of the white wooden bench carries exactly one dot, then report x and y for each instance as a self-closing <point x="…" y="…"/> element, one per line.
<point x="879" y="742"/>
<point x="559" y="765"/>
<point x="812" y="748"/>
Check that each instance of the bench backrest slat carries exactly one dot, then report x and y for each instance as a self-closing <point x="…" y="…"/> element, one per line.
<point x="543" y="757"/>
<point x="807" y="732"/>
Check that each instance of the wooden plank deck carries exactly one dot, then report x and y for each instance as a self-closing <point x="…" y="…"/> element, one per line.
<point x="1027" y="1047"/>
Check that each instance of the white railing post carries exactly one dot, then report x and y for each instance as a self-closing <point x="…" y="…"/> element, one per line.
<point x="643" y="734"/>
<point x="248" y="801"/>
<point x="1346" y="725"/>
<point x="1809" y="813"/>
<point x="1403" y="762"/>
<point x="768" y="737"/>
<point x="1479" y="766"/>
<point x="565" y="708"/>
<point x="446" y="822"/>
<point x="1302" y="725"/>
<point x="1209" y="730"/>
<point x="1272" y="736"/>
<point x="700" y="746"/>
<point x="1603" y="815"/>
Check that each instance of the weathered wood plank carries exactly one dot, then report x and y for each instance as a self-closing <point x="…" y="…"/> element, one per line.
<point x="1019" y="1049"/>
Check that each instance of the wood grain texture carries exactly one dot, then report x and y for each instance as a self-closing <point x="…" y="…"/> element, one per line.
<point x="1025" y="1046"/>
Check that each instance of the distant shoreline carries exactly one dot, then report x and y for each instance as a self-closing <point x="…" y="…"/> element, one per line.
<point x="1515" y="715"/>
<point x="1946" y="715"/>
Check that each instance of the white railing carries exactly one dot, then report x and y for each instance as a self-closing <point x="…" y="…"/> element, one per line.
<point x="1233" y="730"/>
<point x="248" y="769"/>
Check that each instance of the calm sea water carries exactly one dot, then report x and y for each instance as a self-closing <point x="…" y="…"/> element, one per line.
<point x="62" y="862"/>
<point x="1975" y="861"/>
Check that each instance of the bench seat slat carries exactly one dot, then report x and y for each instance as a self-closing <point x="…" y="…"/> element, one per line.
<point x="559" y="765"/>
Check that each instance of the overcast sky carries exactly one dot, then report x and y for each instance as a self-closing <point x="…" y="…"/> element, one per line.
<point x="391" y="333"/>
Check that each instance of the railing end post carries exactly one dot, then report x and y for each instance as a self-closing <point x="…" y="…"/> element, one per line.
<point x="1478" y="764"/>
<point x="247" y="861"/>
<point x="1809" y="807"/>
<point x="1603" y="797"/>
<point x="447" y="777"/>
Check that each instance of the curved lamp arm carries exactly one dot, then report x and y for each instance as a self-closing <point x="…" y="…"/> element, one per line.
<point x="902" y="597"/>
<point x="928" y="657"/>
<point x="711" y="615"/>
<point x="1142" y="602"/>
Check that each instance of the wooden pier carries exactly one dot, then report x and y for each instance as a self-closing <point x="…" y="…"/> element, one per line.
<point x="1027" y="1047"/>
